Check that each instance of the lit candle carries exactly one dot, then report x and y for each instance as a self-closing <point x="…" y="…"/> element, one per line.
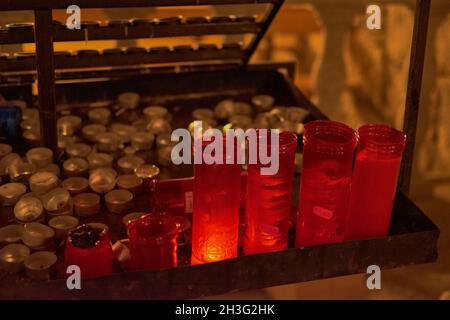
<point x="216" y="209"/>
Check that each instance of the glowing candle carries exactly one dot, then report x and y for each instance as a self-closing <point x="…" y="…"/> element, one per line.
<point x="216" y="209"/>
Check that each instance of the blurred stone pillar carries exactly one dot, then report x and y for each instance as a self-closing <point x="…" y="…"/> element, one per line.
<point x="337" y="20"/>
<point x="434" y="143"/>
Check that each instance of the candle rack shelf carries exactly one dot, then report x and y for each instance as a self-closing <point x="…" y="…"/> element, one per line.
<point x="150" y="30"/>
<point x="199" y="77"/>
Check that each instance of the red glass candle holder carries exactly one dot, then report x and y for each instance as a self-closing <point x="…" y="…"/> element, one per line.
<point x="325" y="182"/>
<point x="90" y="249"/>
<point x="374" y="182"/>
<point x="215" y="217"/>
<point x="153" y="242"/>
<point x="268" y="200"/>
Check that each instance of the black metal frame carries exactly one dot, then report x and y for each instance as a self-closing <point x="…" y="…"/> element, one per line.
<point x="413" y="237"/>
<point x="45" y="33"/>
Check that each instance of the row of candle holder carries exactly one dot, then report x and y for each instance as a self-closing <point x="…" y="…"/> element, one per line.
<point x="29" y="26"/>
<point x="141" y="132"/>
<point x="30" y="243"/>
<point x="339" y="199"/>
<point x="237" y="114"/>
<point x="45" y="192"/>
<point x="330" y="208"/>
<point x="152" y="244"/>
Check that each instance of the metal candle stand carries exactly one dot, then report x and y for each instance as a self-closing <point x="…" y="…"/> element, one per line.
<point x="412" y="238"/>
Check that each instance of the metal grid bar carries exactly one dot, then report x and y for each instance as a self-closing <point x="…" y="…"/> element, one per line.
<point x="72" y="62"/>
<point x="46" y="78"/>
<point x="411" y="115"/>
<point x="9" y="5"/>
<point x="136" y="32"/>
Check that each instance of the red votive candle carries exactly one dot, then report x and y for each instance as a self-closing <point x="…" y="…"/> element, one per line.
<point x="153" y="242"/>
<point x="328" y="149"/>
<point x="215" y="217"/>
<point x="89" y="248"/>
<point x="374" y="181"/>
<point x="269" y="197"/>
